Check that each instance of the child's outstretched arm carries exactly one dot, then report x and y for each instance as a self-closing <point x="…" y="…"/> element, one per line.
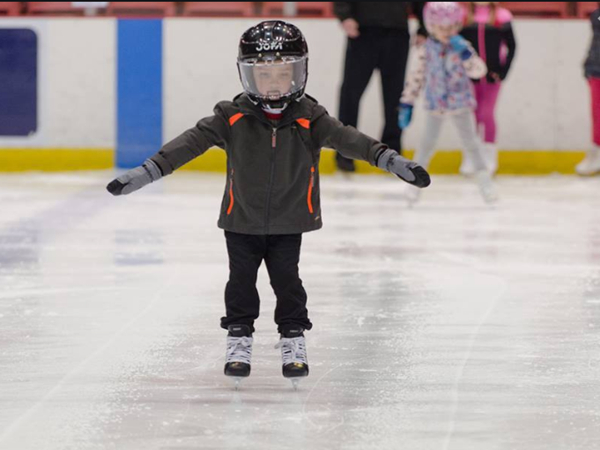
<point x="412" y="88"/>
<point x="135" y="179"/>
<point x="416" y="78"/>
<point x="208" y="132"/>
<point x="473" y="64"/>
<point x="351" y="143"/>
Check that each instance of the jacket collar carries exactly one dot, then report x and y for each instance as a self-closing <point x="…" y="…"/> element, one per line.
<point x="296" y="110"/>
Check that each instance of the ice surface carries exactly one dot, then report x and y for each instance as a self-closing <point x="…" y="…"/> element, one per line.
<point x="451" y="325"/>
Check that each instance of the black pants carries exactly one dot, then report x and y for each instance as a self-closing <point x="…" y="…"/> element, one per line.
<point x="281" y="254"/>
<point x="386" y="50"/>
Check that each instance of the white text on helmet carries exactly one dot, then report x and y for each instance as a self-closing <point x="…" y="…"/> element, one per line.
<point x="268" y="46"/>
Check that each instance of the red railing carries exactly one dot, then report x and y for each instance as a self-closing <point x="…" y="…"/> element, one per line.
<point x="258" y="9"/>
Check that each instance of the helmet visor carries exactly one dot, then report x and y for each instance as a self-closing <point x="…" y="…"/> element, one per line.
<point x="273" y="79"/>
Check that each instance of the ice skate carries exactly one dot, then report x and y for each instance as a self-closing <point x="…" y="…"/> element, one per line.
<point x="486" y="187"/>
<point x="412" y="194"/>
<point x="239" y="353"/>
<point x="591" y="164"/>
<point x="293" y="355"/>
<point x="467" y="167"/>
<point x="491" y="157"/>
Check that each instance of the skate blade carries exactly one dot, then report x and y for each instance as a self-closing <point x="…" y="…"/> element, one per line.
<point x="491" y="200"/>
<point x="237" y="382"/>
<point x="295" y="383"/>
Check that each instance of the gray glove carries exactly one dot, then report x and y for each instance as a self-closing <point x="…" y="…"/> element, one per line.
<point x="135" y="179"/>
<point x="403" y="168"/>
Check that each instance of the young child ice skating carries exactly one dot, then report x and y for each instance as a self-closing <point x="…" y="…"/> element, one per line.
<point x="272" y="135"/>
<point x="446" y="62"/>
<point x="591" y="164"/>
<point x="489" y="29"/>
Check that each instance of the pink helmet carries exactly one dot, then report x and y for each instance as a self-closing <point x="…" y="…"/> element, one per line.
<point x="443" y="13"/>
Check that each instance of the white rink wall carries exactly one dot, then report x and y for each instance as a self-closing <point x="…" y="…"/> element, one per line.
<point x="76" y="83"/>
<point x="544" y="104"/>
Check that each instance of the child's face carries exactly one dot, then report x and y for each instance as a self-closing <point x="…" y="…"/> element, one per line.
<point x="443" y="33"/>
<point x="273" y="80"/>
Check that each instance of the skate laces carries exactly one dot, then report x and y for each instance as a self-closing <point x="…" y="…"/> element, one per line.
<point x="239" y="349"/>
<point x="293" y="350"/>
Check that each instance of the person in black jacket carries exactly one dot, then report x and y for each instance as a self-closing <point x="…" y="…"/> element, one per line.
<point x="591" y="164"/>
<point x="272" y="134"/>
<point x="489" y="29"/>
<point x="378" y="38"/>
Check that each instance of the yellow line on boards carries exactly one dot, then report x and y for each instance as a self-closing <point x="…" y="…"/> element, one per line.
<point x="55" y="159"/>
<point x="526" y="162"/>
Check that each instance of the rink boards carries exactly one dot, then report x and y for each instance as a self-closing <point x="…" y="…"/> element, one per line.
<point x="112" y="91"/>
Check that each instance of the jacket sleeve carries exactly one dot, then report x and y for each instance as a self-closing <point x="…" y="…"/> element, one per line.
<point x="351" y="143"/>
<point x="209" y="132"/>
<point x="509" y="39"/>
<point x="474" y="65"/>
<point x="417" y="9"/>
<point x="343" y="10"/>
<point x="416" y="78"/>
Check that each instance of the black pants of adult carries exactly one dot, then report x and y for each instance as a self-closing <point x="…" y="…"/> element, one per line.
<point x="376" y="48"/>
<point x="281" y="254"/>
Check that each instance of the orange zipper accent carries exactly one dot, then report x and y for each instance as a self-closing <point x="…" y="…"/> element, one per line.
<point x="231" y="199"/>
<point x="310" y="189"/>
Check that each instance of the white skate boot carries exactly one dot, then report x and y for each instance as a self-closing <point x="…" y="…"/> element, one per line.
<point x="486" y="187"/>
<point x="467" y="167"/>
<point x="591" y="164"/>
<point x="293" y="355"/>
<point x="491" y="157"/>
<point x="239" y="353"/>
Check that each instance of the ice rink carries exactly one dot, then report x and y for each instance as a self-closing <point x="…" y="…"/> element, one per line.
<point x="451" y="325"/>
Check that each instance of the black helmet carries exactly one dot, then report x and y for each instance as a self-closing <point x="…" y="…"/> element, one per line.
<point x="273" y="63"/>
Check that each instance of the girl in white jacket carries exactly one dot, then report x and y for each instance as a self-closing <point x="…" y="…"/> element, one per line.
<point x="445" y="64"/>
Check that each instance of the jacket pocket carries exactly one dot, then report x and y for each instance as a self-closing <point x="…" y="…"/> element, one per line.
<point x="231" y="197"/>
<point x="311" y="185"/>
